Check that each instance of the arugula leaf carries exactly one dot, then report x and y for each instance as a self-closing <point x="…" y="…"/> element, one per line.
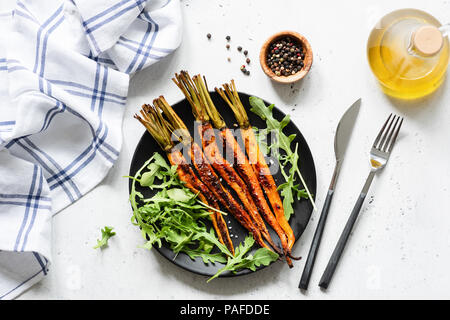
<point x="204" y="252"/>
<point x="106" y="234"/>
<point x="262" y="256"/>
<point x="148" y="177"/>
<point x="265" y="113"/>
<point x="180" y="195"/>
<point x="289" y="189"/>
<point x="207" y="257"/>
<point x="160" y="161"/>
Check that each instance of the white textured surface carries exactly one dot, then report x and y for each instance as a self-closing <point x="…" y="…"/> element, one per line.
<point x="401" y="246"/>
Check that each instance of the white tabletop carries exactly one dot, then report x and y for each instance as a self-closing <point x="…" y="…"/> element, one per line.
<point x="401" y="245"/>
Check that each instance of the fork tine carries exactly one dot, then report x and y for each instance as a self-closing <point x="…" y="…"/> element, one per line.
<point x="386" y="132"/>
<point x="395" y="137"/>
<point x="381" y="132"/>
<point x="391" y="132"/>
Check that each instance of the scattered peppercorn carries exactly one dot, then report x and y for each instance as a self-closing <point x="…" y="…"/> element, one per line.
<point x="285" y="57"/>
<point x="239" y="48"/>
<point x="244" y="70"/>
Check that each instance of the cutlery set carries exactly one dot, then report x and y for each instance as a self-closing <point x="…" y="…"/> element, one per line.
<point x="379" y="156"/>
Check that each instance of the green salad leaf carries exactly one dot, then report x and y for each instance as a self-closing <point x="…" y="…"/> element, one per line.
<point x="265" y="113"/>
<point x="106" y="234"/>
<point x="289" y="189"/>
<point x="242" y="260"/>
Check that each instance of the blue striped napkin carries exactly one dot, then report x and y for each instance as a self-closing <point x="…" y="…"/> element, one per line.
<point x="64" y="74"/>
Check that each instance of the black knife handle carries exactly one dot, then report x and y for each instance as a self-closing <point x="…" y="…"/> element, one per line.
<point x="335" y="257"/>
<point x="309" y="265"/>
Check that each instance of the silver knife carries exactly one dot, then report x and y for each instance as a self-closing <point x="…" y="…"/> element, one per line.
<point x="341" y="140"/>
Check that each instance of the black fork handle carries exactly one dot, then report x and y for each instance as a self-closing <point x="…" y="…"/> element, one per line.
<point x="340" y="246"/>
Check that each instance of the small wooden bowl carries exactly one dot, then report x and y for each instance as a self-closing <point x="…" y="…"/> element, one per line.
<point x="307" y="61"/>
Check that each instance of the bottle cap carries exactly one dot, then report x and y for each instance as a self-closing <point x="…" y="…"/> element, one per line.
<point x="428" y="40"/>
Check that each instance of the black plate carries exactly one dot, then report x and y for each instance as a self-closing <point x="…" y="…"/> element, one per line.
<point x="303" y="208"/>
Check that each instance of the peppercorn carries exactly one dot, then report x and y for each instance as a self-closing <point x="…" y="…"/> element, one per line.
<point x="245" y="52"/>
<point x="228" y="46"/>
<point x="228" y="38"/>
<point x="239" y="48"/>
<point x="208" y="35"/>
<point x="285" y="56"/>
<point x="247" y="60"/>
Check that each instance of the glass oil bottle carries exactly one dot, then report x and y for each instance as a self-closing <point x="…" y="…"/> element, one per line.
<point x="408" y="52"/>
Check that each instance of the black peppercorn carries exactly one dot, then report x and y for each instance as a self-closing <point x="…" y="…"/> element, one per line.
<point x="208" y="35"/>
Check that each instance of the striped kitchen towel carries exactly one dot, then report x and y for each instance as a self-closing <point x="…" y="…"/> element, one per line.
<point x="64" y="74"/>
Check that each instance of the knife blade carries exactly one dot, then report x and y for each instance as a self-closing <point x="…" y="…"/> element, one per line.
<point x="341" y="141"/>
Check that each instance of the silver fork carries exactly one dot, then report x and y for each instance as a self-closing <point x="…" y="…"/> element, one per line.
<point x="379" y="156"/>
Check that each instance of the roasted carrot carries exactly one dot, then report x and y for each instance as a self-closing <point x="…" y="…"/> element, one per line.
<point x="214" y="155"/>
<point x="207" y="174"/>
<point x="151" y="119"/>
<point x="257" y="158"/>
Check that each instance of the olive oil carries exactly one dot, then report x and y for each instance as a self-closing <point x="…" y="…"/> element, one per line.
<point x="398" y="56"/>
